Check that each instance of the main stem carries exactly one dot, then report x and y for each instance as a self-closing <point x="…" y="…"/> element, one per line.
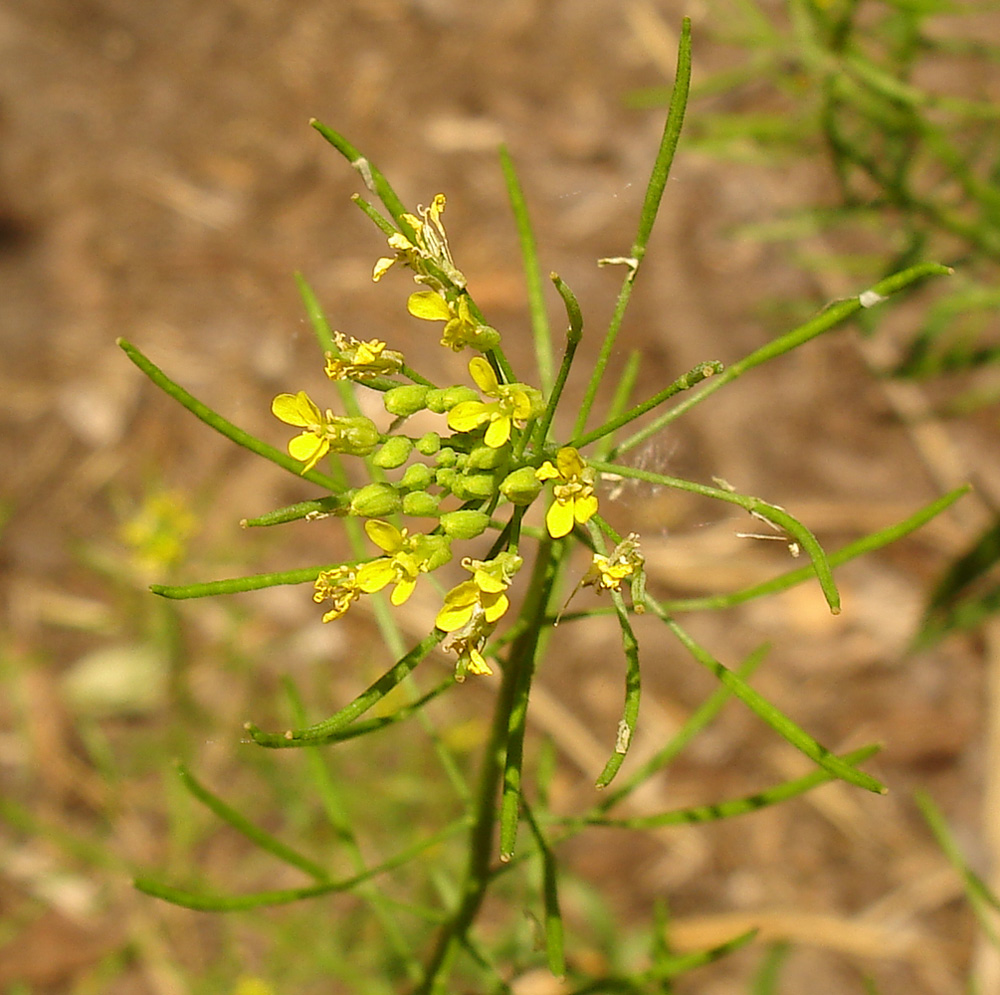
<point x="516" y="670"/>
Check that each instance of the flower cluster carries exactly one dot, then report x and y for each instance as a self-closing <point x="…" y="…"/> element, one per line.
<point x="485" y="454"/>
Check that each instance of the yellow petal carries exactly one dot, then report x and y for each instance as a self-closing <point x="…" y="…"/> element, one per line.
<point x="559" y="519"/>
<point x="498" y="432"/>
<point x="493" y="609"/>
<point x="381" y="267"/>
<point x="569" y="463"/>
<point x="546" y="471"/>
<point x="467" y="415"/>
<point x="486" y="380"/>
<point x="584" y="508"/>
<point x="428" y="305"/>
<point x="296" y="409"/>
<point x="402" y="591"/>
<point x="387" y="537"/>
<point x="309" y="448"/>
<point x="478" y="664"/>
<point x="373" y="576"/>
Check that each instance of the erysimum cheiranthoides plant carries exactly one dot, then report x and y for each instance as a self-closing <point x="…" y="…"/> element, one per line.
<point x="493" y="457"/>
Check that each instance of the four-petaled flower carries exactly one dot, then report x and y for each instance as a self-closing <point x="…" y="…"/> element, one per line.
<point x="606" y="573"/>
<point x="514" y="402"/>
<point x="361" y="360"/>
<point x="575" y="500"/>
<point x="339" y="585"/>
<point x="321" y="431"/>
<point x="429" y="250"/>
<point x="472" y="609"/>
<point x="461" y="329"/>
<point x="408" y="557"/>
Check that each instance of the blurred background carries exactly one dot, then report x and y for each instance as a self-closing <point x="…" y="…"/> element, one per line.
<point x="159" y="181"/>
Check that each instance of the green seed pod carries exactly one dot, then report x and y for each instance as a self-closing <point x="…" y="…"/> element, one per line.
<point x="464" y="524"/>
<point x="440" y="401"/>
<point x="406" y="400"/>
<point x="417" y="477"/>
<point x="429" y="444"/>
<point x="375" y="501"/>
<point x="521" y="486"/>
<point x="394" y="453"/>
<point x="420" y="504"/>
<point x="474" y="486"/>
<point x="487" y="458"/>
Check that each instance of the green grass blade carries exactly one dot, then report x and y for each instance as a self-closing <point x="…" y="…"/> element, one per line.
<point x="259" y="837"/>
<point x="767" y="712"/>
<point x="327" y="730"/>
<point x="220" y="424"/>
<point x="541" y="331"/>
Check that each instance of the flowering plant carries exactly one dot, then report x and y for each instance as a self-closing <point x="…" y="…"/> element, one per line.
<point x="496" y="467"/>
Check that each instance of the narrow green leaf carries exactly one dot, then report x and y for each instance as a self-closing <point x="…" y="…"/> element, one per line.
<point x="532" y="272"/>
<point x="630" y="714"/>
<point x="329" y="729"/>
<point x="736" y="806"/>
<point x="260" y="837"/>
<point x="554" y="940"/>
<point x="775" y="718"/>
<point x="237" y="585"/>
<point x="220" y="424"/>
<point x="208" y="902"/>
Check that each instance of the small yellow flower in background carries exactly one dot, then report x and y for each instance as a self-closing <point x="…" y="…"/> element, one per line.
<point x="472" y="609"/>
<point x="515" y="402"/>
<point x="339" y="585"/>
<point x="575" y="500"/>
<point x="606" y="573"/>
<point x="158" y="532"/>
<point x="430" y="246"/>
<point x="361" y="360"/>
<point x="461" y="329"/>
<point x="409" y="556"/>
<point x="322" y="432"/>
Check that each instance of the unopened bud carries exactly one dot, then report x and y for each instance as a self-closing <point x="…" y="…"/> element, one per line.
<point x="474" y="486"/>
<point x="417" y="477"/>
<point x="440" y="401"/>
<point x="375" y="501"/>
<point x="406" y="400"/>
<point x="521" y="486"/>
<point x="394" y="453"/>
<point x="465" y="524"/>
<point x="429" y="444"/>
<point x="487" y="458"/>
<point x="420" y="504"/>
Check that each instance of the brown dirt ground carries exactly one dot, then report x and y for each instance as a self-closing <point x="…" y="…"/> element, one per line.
<point x="158" y="181"/>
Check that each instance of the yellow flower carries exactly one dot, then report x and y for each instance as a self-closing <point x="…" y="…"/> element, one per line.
<point x="361" y="360"/>
<point x="409" y="556"/>
<point x="339" y="585"/>
<point x="515" y="402"/>
<point x="322" y="432"/>
<point x="460" y="326"/>
<point x="607" y="572"/>
<point x="428" y="255"/>
<point x="575" y="500"/>
<point x="472" y="609"/>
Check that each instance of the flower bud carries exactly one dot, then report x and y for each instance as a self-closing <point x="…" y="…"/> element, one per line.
<point x="429" y="444"/>
<point x="440" y="401"/>
<point x="487" y="458"/>
<point x="357" y="436"/>
<point x="417" y="477"/>
<point x="375" y="501"/>
<point x="394" y="453"/>
<point x="420" y="504"/>
<point x="446" y="457"/>
<point x="406" y="400"/>
<point x="521" y="486"/>
<point x="465" y="524"/>
<point x="474" y="486"/>
<point x="445" y="477"/>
